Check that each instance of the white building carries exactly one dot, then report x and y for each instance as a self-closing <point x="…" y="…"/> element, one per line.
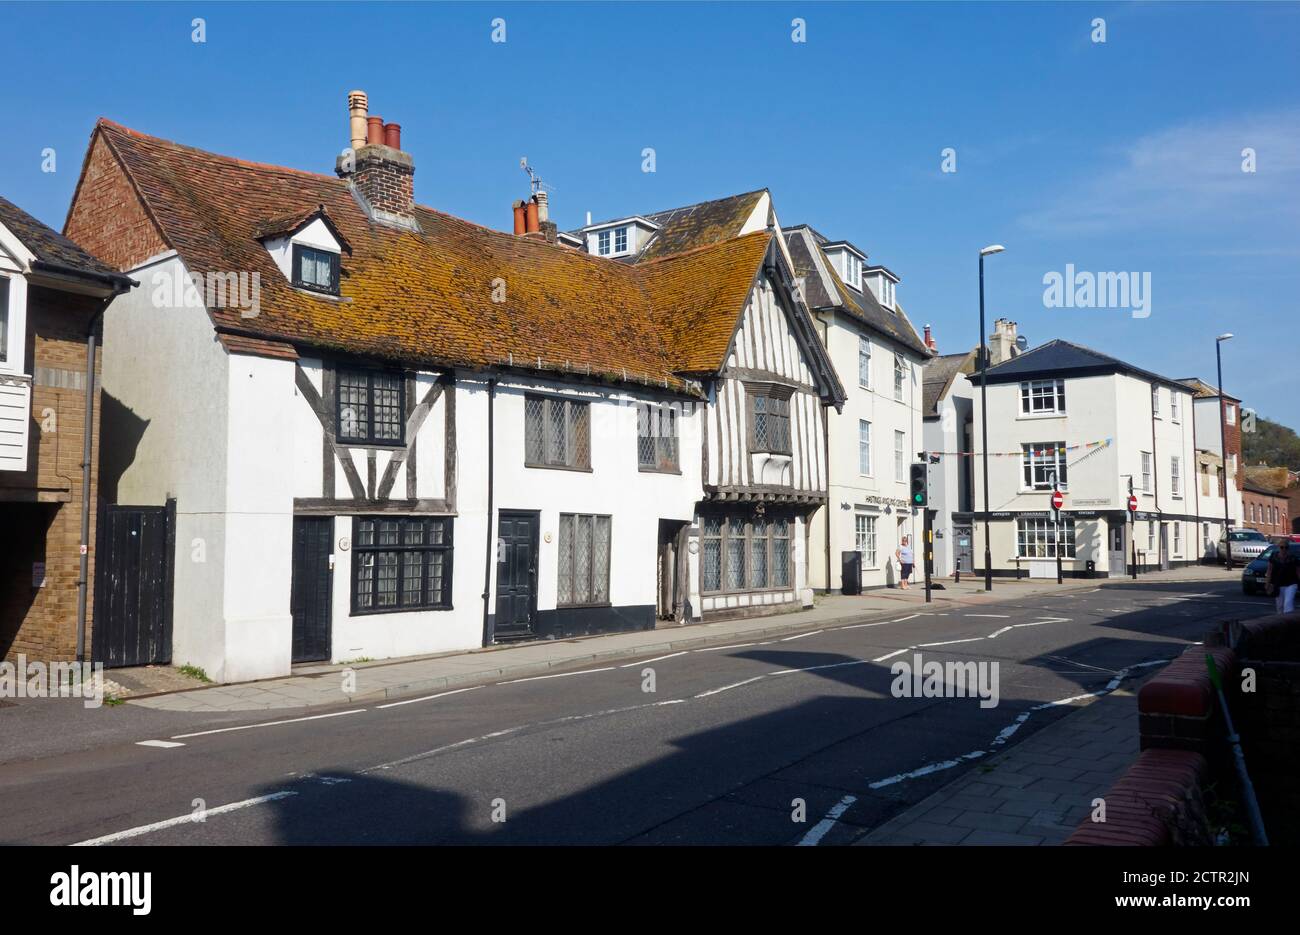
<point x="393" y="432"/>
<point x="947" y="412"/>
<point x="1217" y="418"/>
<point x="871" y="443"/>
<point x="1065" y="415"/>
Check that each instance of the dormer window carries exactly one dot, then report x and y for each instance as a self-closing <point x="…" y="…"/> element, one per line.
<point x="315" y="269"/>
<point x="612" y="242"/>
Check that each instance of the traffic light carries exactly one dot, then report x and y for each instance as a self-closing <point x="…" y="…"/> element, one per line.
<point x="919" y="492"/>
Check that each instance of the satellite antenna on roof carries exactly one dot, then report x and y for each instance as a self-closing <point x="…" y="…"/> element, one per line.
<point x="1022" y="342"/>
<point x="534" y="180"/>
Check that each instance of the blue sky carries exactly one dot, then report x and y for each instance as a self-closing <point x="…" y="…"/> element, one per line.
<point x="1122" y="156"/>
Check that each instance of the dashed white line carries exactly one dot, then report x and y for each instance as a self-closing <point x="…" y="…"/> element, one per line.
<point x="925" y="770"/>
<point x="294" y="720"/>
<point x="165" y="744"/>
<point x="973" y="639"/>
<point x="996" y="616"/>
<point x="558" y="675"/>
<point x="818" y="831"/>
<point x="725" y="688"/>
<point x="629" y="665"/>
<point x="182" y="820"/>
<point x="455" y="691"/>
<point x="799" y="636"/>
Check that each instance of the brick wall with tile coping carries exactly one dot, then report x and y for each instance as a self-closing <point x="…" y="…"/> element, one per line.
<point x="1161" y="799"/>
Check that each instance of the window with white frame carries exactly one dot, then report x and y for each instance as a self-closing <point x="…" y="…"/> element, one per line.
<point x="1231" y="413"/>
<point x="1146" y="472"/>
<point x="1040" y="463"/>
<point x="1155" y="401"/>
<point x="1151" y="536"/>
<point x="1178" y="538"/>
<point x="1040" y="397"/>
<point x="852" y="270"/>
<point x="900" y="457"/>
<point x="620" y="240"/>
<point x="1175" y="476"/>
<point x="864" y="538"/>
<point x="1038" y="538"/>
<point x="900" y="375"/>
<point x="864" y="362"/>
<point x="864" y="447"/>
<point x="1173" y="405"/>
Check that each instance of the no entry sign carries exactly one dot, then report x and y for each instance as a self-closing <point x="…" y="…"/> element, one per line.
<point x="1132" y="503"/>
<point x="1058" y="500"/>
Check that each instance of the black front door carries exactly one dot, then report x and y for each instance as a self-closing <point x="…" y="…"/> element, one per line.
<point x="309" y="598"/>
<point x="133" y="586"/>
<point x="516" y="575"/>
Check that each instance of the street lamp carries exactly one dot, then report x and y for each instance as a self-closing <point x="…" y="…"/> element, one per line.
<point x="1223" y="443"/>
<point x="984" y="418"/>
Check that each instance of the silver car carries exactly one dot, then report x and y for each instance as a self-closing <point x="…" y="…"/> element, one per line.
<point x="1246" y="544"/>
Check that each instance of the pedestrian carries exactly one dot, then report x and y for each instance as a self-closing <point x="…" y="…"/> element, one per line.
<point x="904" y="555"/>
<point x="1281" y="578"/>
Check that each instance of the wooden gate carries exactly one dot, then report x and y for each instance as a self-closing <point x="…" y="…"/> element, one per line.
<point x="133" y="586"/>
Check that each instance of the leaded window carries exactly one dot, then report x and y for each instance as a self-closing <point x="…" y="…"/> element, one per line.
<point x="746" y="554"/>
<point x="401" y="563"/>
<point x="557" y="433"/>
<point x="770" y="422"/>
<point x="583" y="560"/>
<point x="371" y="407"/>
<point x="656" y="441"/>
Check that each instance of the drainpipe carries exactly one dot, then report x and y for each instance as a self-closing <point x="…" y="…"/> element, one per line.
<point x="1155" y="483"/>
<point x="490" y="556"/>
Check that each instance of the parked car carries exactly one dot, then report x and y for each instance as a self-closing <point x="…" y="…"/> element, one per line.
<point x="1246" y="544"/>
<point x="1252" y="576"/>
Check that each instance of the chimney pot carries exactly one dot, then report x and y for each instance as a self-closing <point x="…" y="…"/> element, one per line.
<point x="530" y="215"/>
<point x="393" y="135"/>
<point x="375" y="131"/>
<point x="543" y="207"/>
<point x="358" y="106"/>
<point x="520" y="224"/>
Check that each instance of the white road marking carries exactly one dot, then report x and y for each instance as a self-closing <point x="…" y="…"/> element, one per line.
<point x="191" y="818"/>
<point x="818" y="831"/>
<point x="724" y="688"/>
<point x="998" y="616"/>
<point x="973" y="639"/>
<point x="799" y="636"/>
<point x="926" y="770"/>
<point x="828" y="665"/>
<point x="643" y="662"/>
<point x="897" y="652"/>
<point x="165" y="744"/>
<point x="714" y="649"/>
<point x="295" y="720"/>
<point x="455" y="691"/>
<point x="558" y="675"/>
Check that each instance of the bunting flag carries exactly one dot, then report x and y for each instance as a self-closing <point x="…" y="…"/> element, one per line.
<point x="1036" y="452"/>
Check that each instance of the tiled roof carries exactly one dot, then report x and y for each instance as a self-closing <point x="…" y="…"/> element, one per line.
<point x="50" y="247"/>
<point x="1202" y="390"/>
<point x="1264" y="479"/>
<point x="937" y="376"/>
<point x="699" y="224"/>
<point x="859" y="305"/>
<point x="428" y="296"/>
<point x="1060" y="357"/>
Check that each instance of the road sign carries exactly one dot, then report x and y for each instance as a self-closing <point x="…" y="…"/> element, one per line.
<point x="1132" y="503"/>
<point x="1058" y="500"/>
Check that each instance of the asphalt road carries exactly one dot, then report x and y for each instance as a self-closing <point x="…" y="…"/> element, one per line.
<point x="717" y="753"/>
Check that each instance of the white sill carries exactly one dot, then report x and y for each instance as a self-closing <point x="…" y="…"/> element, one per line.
<point x="1031" y="416"/>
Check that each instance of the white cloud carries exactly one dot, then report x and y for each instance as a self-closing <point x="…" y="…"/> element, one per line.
<point x="1184" y="175"/>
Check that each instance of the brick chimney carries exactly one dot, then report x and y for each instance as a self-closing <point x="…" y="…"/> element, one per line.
<point x="381" y="175"/>
<point x="929" y="339"/>
<point x="1002" y="342"/>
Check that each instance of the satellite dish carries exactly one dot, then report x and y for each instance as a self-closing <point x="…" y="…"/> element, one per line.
<point x="1022" y="342"/>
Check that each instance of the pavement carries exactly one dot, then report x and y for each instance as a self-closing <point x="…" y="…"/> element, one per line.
<point x="756" y="736"/>
<point x="1034" y="794"/>
<point x="323" y="685"/>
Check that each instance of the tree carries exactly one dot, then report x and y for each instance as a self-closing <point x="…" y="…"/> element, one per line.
<point x="1271" y="443"/>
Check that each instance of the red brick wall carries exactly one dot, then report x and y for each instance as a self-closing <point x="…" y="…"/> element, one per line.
<point x="107" y="218"/>
<point x="1259" y="508"/>
<point x="42" y="622"/>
